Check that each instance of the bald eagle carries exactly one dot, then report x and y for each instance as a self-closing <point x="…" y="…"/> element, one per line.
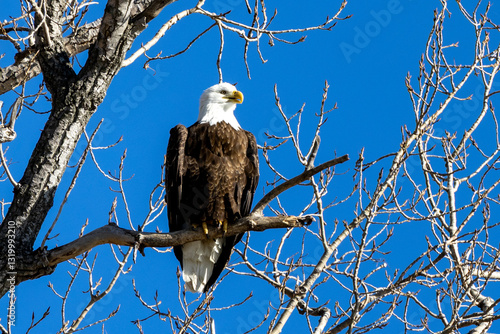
<point x="212" y="170"/>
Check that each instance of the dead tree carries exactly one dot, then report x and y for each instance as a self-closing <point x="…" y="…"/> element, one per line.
<point x="440" y="182"/>
<point x="438" y="188"/>
<point x="46" y="38"/>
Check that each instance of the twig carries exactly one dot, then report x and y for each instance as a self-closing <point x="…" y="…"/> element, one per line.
<point x="259" y="207"/>
<point x="6" y="168"/>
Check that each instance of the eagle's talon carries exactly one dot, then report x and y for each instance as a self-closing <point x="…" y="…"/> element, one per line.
<point x="205" y="228"/>
<point x="224" y="227"/>
<point x="219" y="224"/>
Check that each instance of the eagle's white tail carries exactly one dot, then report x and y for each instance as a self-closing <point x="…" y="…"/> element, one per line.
<point x="198" y="259"/>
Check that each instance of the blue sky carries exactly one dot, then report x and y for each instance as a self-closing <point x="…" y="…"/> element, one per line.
<point x="364" y="59"/>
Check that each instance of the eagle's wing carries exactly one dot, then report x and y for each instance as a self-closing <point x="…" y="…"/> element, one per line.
<point x="252" y="174"/>
<point x="175" y="170"/>
<point x="252" y="179"/>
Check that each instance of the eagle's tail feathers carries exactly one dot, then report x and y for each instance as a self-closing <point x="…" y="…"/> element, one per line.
<point x="199" y="258"/>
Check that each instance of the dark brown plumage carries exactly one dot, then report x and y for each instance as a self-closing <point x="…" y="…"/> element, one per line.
<point x="212" y="172"/>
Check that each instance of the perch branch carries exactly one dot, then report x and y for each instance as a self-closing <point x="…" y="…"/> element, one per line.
<point x="113" y="234"/>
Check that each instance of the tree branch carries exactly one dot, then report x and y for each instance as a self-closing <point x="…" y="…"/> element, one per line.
<point x="259" y="207"/>
<point x="113" y="234"/>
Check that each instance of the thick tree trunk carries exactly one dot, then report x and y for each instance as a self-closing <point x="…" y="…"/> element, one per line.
<point x="74" y="102"/>
<point x="75" y="98"/>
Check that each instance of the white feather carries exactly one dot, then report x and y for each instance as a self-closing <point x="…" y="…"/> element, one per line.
<point x="198" y="259"/>
<point x="214" y="108"/>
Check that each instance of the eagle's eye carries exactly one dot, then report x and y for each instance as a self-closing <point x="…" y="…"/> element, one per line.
<point x="223" y="92"/>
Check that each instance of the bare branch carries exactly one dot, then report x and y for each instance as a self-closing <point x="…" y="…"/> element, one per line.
<point x="260" y="206"/>
<point x="112" y="234"/>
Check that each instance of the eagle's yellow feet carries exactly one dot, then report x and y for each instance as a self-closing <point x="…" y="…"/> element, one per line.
<point x="222" y="224"/>
<point x="205" y="227"/>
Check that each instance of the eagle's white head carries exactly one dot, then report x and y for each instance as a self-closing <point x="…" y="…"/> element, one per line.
<point x="217" y="104"/>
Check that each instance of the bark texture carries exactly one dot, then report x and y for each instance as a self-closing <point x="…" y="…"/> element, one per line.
<point x="75" y="98"/>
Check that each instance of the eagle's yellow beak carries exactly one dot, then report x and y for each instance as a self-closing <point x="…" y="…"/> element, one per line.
<point x="236" y="97"/>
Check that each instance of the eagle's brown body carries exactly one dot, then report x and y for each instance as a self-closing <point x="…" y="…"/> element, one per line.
<point x="211" y="177"/>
